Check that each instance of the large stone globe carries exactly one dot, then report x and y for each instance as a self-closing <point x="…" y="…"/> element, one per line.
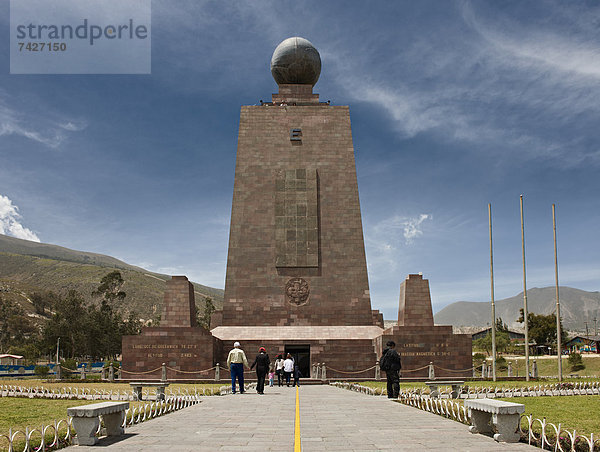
<point x="296" y="61"/>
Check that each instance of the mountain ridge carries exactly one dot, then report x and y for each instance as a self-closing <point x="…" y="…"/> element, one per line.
<point x="27" y="266"/>
<point x="576" y="307"/>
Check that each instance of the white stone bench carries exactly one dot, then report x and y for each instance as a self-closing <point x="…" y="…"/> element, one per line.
<point x="505" y="416"/>
<point x="434" y="384"/>
<point x="86" y="419"/>
<point x="160" y="388"/>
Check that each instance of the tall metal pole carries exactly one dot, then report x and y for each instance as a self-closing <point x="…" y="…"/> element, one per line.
<point x="57" y="349"/>
<point x="525" y="311"/>
<point x="492" y="295"/>
<point x="558" y="332"/>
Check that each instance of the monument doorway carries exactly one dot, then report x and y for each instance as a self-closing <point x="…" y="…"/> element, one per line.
<point x="301" y="356"/>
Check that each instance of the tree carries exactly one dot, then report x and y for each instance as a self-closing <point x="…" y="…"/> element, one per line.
<point x="15" y="326"/>
<point x="204" y="318"/>
<point x="69" y="322"/>
<point x="42" y="300"/>
<point x="576" y="362"/>
<point x="542" y="328"/>
<point x="501" y="326"/>
<point x="105" y="326"/>
<point x="485" y="343"/>
<point x="110" y="288"/>
<point x="132" y="325"/>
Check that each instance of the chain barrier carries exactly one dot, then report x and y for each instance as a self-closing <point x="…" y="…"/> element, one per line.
<point x="190" y="371"/>
<point x="141" y="373"/>
<point x="351" y="373"/>
<point x="414" y="370"/>
<point x="470" y="369"/>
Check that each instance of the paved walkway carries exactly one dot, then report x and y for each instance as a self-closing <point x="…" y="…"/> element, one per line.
<point x="331" y="419"/>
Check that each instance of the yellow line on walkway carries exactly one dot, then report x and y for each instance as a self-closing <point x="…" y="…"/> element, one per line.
<point x="297" y="447"/>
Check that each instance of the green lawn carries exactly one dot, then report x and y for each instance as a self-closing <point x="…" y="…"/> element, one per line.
<point x="474" y="384"/>
<point x="91" y="384"/>
<point x="578" y="413"/>
<point x="549" y="366"/>
<point x="17" y="413"/>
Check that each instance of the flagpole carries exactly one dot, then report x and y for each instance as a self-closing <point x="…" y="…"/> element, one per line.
<point x="558" y="329"/>
<point x="525" y="311"/>
<point x="492" y="295"/>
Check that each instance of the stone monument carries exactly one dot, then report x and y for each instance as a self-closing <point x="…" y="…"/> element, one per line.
<point x="178" y="342"/>
<point x="296" y="269"/>
<point x="420" y="342"/>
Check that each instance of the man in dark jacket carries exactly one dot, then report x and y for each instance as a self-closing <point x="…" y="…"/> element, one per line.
<point x="262" y="364"/>
<point x="390" y="363"/>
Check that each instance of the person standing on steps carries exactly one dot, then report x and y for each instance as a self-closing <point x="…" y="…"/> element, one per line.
<point x="262" y="363"/>
<point x="279" y="369"/>
<point x="391" y="365"/>
<point x="297" y="375"/>
<point x="236" y="360"/>
<point x="288" y="368"/>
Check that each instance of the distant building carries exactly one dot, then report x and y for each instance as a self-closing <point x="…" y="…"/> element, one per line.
<point x="10" y="359"/>
<point x="513" y="335"/>
<point x="583" y="344"/>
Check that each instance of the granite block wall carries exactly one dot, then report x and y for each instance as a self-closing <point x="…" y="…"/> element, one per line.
<point x="179" y="308"/>
<point x="326" y="286"/>
<point x="414" y="308"/>
<point x="347" y="356"/>
<point x="184" y="350"/>
<point x="418" y="346"/>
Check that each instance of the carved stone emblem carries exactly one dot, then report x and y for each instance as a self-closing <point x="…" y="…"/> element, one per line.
<point x="297" y="291"/>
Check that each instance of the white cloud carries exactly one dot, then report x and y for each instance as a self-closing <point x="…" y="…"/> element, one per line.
<point x="552" y="48"/>
<point x="35" y="127"/>
<point x="73" y="126"/>
<point x="389" y="229"/>
<point x="10" y="221"/>
<point x="412" y="227"/>
<point x="495" y="84"/>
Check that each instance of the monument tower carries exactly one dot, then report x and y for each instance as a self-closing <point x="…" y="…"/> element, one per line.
<point x="296" y="250"/>
<point x="296" y="270"/>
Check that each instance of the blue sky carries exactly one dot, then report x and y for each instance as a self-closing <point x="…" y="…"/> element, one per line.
<point x="453" y="105"/>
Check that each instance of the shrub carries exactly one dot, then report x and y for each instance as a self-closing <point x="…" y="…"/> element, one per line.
<point x="576" y="362"/>
<point x="116" y="364"/>
<point x="478" y="359"/>
<point x="41" y="371"/>
<point x="70" y="364"/>
<point x="501" y="363"/>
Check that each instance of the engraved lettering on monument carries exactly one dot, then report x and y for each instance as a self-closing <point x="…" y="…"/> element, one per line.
<point x="296" y="225"/>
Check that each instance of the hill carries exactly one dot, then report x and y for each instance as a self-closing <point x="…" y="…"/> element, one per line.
<point x="576" y="307"/>
<point x="27" y="266"/>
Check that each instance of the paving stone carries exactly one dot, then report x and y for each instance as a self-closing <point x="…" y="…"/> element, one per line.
<point x="330" y="419"/>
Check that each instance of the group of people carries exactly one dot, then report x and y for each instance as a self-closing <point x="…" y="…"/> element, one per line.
<point x="284" y="369"/>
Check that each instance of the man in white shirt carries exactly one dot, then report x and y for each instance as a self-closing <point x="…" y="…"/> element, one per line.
<point x="236" y="360"/>
<point x="288" y="368"/>
<point x="279" y="369"/>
